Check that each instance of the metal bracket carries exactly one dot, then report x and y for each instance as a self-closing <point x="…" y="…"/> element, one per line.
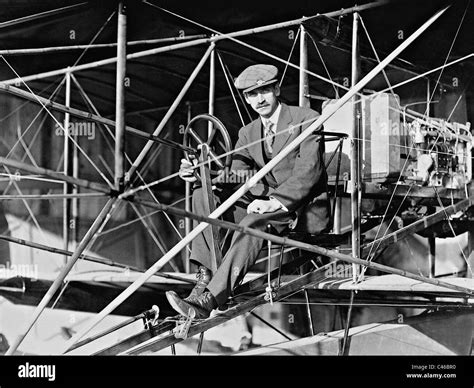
<point x="150" y="318"/>
<point x="182" y="326"/>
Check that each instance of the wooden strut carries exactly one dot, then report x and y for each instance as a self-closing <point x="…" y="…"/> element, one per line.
<point x="55" y="175"/>
<point x="89" y="258"/>
<point x="252" y="286"/>
<point x="120" y="96"/>
<point x="252" y="181"/>
<point x="165" y="340"/>
<point x="209" y="205"/>
<point x="51" y="196"/>
<point x="307" y="247"/>
<point x="88" y="116"/>
<point x="242" y="294"/>
<point x="416" y="226"/>
<point x="54" y="49"/>
<point x="64" y="271"/>
<point x="146" y="315"/>
<point x="104" y="214"/>
<point x="196" y="42"/>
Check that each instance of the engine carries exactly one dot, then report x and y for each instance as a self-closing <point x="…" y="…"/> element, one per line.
<point x="403" y="145"/>
<point x="438" y="153"/>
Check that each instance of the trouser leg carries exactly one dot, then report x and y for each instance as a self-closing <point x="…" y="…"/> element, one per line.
<point x="243" y="252"/>
<point x="200" y="246"/>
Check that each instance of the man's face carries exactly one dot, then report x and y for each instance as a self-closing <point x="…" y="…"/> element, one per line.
<point x="264" y="100"/>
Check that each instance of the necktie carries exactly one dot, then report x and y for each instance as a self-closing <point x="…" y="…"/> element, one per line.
<point x="269" y="137"/>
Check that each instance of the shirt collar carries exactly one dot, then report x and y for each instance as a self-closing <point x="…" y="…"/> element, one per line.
<point x="273" y="118"/>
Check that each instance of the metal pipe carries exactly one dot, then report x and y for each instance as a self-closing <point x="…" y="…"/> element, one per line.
<point x="308" y="312"/>
<point x="46" y="50"/>
<point x="120" y="95"/>
<point x="428" y="97"/>
<point x="199" y="347"/>
<point x="344" y="349"/>
<point x="75" y="192"/>
<point x="432" y="256"/>
<point x="187" y="204"/>
<point x="470" y="254"/>
<point x="355" y="149"/>
<point x="66" y="186"/>
<point x="337" y="205"/>
<point x="212" y="88"/>
<point x="59" y="280"/>
<point x="55" y="175"/>
<point x="304" y="100"/>
<point x="252" y="181"/>
<point x="216" y="38"/>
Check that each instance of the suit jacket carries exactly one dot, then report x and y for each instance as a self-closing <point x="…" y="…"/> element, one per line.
<point x="298" y="178"/>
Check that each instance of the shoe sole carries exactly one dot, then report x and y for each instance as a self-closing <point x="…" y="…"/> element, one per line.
<point x="176" y="306"/>
<point x="196" y="312"/>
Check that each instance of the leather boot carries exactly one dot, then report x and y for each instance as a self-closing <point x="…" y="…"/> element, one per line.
<point x="204" y="276"/>
<point x="202" y="304"/>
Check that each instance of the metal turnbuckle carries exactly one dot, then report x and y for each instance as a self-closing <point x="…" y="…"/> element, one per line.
<point x="270" y="294"/>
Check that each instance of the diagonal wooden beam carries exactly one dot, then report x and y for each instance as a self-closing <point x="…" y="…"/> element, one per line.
<point x="416" y="226"/>
<point x="251" y="182"/>
<point x="196" y="42"/>
<point x="168" y="339"/>
<point x="305" y="246"/>
<point x="47" y="103"/>
<point x="56" y="175"/>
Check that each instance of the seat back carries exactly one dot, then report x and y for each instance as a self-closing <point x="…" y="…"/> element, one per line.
<point x="314" y="218"/>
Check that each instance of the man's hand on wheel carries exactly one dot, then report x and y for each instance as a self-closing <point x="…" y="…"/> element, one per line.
<point x="186" y="170"/>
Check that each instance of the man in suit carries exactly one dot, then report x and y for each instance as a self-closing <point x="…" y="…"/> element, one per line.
<point x="292" y="183"/>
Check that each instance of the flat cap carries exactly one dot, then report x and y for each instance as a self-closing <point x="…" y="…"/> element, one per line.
<point x="256" y="76"/>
